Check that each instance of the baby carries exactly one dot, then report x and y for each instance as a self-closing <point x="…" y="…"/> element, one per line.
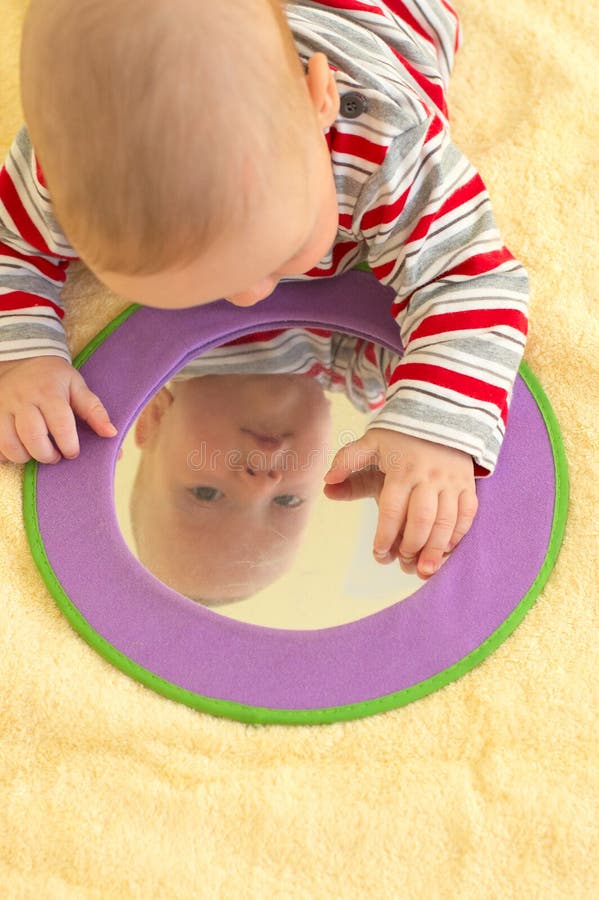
<point x="187" y="152"/>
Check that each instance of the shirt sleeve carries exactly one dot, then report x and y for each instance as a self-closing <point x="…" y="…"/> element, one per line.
<point x="461" y="302"/>
<point x="34" y="256"/>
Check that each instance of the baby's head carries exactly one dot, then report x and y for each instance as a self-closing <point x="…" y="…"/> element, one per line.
<point x="182" y="143"/>
<point x="230" y="468"/>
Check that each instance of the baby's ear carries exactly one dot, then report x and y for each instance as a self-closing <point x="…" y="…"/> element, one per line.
<point x="148" y="421"/>
<point x="322" y="87"/>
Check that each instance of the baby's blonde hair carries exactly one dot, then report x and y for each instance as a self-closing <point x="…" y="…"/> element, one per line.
<point x="157" y="123"/>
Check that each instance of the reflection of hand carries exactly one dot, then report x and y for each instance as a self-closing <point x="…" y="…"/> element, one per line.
<point x="38" y="398"/>
<point x="425" y="494"/>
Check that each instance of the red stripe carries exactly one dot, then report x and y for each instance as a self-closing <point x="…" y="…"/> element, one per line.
<point x="450" y="9"/>
<point x="21" y="300"/>
<point x="51" y="270"/>
<point x="398" y="306"/>
<point x="434" y="129"/>
<point x="18" y="213"/>
<point x="315" y="369"/>
<point x="433" y="91"/>
<point x="339" y="251"/>
<point x="462" y="195"/>
<point x="384" y="213"/>
<point x="354" y="145"/>
<point x="345" y="220"/>
<point x="478" y="265"/>
<point x="40" y="174"/>
<point x="397" y="7"/>
<point x="321" y="332"/>
<point x="453" y="381"/>
<point x="352" y="4"/>
<point x="470" y="320"/>
<point x="255" y="337"/>
<point x="381" y="272"/>
<point x="370" y="353"/>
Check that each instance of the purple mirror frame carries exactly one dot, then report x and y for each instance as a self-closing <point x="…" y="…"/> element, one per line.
<point x="269" y="675"/>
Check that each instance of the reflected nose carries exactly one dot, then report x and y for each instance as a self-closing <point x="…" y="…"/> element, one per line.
<point x="260" y="481"/>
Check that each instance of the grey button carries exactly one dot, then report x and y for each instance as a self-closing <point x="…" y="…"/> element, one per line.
<point x="353" y="105"/>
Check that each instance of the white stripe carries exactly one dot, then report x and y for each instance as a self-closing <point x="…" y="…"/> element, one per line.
<point x="24" y="353"/>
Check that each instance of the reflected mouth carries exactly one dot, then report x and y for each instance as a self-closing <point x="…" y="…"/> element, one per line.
<point x="268" y="437"/>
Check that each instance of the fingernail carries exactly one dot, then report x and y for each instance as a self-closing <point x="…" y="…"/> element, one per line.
<point x="112" y="430"/>
<point x="380" y="554"/>
<point x="429" y="567"/>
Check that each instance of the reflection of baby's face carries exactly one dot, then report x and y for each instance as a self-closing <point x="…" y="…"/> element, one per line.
<point x="230" y="468"/>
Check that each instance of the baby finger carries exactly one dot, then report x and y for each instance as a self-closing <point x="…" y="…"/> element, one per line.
<point x="62" y="427"/>
<point x="441" y="532"/>
<point x="393" y="504"/>
<point x="32" y="433"/>
<point x="422" y="511"/>
<point x="467" y="509"/>
<point x="11" y="447"/>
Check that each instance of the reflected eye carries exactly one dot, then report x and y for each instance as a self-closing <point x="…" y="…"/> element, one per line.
<point x="203" y="492"/>
<point x="289" y="500"/>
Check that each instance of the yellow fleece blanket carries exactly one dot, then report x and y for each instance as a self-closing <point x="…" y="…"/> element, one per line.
<point x="484" y="789"/>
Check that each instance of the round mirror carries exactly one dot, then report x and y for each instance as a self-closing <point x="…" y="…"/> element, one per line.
<point x="311" y="673"/>
<point x="219" y="485"/>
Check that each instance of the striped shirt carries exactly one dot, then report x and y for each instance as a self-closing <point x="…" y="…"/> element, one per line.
<point x="411" y="206"/>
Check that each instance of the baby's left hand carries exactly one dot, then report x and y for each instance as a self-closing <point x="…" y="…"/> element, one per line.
<point x="425" y="494"/>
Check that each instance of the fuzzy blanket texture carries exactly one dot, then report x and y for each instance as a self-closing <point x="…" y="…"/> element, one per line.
<point x="484" y="789"/>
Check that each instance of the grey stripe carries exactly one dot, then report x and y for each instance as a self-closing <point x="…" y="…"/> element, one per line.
<point x="417" y="389"/>
<point x="467" y="427"/>
<point x="30" y="331"/>
<point x="493" y="350"/>
<point x="37" y="287"/>
<point x="30" y="282"/>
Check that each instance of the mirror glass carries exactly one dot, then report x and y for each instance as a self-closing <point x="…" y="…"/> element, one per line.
<point x="219" y="483"/>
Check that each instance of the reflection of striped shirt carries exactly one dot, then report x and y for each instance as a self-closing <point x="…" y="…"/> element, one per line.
<point x="343" y="363"/>
<point x="410" y="205"/>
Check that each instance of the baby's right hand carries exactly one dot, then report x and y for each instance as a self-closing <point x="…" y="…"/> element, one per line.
<point x="38" y="398"/>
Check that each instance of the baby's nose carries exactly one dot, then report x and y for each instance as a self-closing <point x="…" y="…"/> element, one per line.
<point x="253" y="295"/>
